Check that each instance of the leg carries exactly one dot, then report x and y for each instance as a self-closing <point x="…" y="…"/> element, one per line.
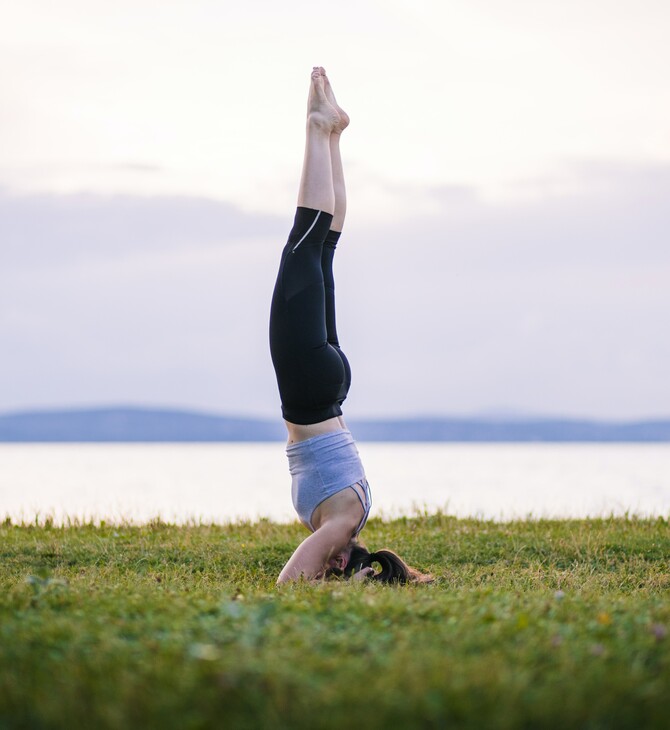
<point x="340" y="192"/>
<point x="316" y="182"/>
<point x="333" y="236"/>
<point x="310" y="372"/>
<point x="339" y="188"/>
<point x="327" y="256"/>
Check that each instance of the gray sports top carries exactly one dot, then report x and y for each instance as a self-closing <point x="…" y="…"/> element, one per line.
<point x="323" y="466"/>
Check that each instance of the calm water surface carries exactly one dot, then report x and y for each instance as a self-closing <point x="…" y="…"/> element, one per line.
<point x="223" y="482"/>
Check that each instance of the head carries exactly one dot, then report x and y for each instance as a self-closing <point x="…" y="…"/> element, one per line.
<point x="389" y="568"/>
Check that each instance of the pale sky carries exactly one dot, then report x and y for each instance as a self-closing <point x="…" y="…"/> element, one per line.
<point x="508" y="169"/>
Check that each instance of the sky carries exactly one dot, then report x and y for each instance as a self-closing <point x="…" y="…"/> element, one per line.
<point x="508" y="170"/>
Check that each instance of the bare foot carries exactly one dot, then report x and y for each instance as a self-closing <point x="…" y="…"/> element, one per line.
<point x="344" y="117"/>
<point x="320" y="112"/>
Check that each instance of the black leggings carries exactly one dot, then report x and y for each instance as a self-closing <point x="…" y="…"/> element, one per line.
<point x="312" y="372"/>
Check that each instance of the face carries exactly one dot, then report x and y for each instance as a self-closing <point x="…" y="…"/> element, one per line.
<point x="340" y="560"/>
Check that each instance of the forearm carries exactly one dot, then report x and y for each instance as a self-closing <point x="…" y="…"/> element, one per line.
<point x="313" y="554"/>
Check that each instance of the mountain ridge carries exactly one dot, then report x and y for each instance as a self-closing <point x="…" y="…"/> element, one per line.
<point x="147" y="425"/>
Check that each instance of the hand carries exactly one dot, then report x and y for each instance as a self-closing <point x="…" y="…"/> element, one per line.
<point x="363" y="574"/>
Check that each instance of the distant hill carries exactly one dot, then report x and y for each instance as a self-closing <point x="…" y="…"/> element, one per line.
<point x="156" y="425"/>
<point x="134" y="424"/>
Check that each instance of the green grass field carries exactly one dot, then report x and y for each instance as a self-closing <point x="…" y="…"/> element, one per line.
<point x="529" y="624"/>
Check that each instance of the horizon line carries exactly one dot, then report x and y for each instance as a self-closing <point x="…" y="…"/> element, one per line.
<point x="500" y="416"/>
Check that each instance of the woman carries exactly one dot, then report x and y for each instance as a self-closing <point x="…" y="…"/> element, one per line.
<point x="329" y="489"/>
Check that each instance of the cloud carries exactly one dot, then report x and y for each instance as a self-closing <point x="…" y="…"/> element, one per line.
<point x="141" y="167"/>
<point x="551" y="302"/>
<point x="555" y="303"/>
<point x="45" y="229"/>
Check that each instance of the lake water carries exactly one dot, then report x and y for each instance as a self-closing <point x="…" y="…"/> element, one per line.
<point x="224" y="482"/>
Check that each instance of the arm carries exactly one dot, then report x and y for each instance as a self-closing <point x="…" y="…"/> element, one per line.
<point x="313" y="553"/>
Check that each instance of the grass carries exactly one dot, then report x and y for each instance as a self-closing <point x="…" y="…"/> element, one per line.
<point x="529" y="624"/>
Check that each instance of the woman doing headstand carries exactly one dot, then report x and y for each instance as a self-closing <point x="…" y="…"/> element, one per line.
<point x="330" y="492"/>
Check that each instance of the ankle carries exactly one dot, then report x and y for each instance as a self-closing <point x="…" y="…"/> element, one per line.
<point x="320" y="122"/>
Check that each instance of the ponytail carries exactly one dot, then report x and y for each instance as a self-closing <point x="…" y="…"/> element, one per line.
<point x="393" y="568"/>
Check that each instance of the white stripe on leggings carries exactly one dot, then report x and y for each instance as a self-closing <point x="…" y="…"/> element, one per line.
<point x="318" y="213"/>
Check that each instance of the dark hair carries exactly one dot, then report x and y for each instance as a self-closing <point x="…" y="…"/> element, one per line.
<point x="393" y="568"/>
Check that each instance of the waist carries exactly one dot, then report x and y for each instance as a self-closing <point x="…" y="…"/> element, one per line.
<point x="298" y="432"/>
<point x="332" y="456"/>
